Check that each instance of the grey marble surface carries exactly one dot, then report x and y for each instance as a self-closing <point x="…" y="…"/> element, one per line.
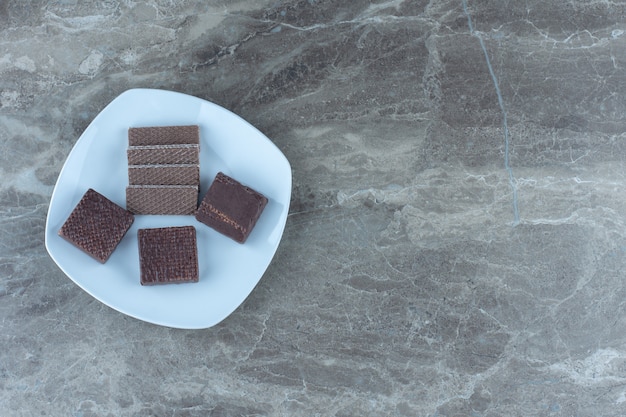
<point x="456" y="243"/>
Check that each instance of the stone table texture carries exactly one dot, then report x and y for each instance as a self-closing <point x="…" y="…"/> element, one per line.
<point x="456" y="244"/>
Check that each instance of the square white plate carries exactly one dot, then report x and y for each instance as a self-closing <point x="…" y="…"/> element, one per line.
<point x="229" y="271"/>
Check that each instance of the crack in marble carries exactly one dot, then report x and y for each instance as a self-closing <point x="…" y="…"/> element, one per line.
<point x="505" y="125"/>
<point x="362" y="21"/>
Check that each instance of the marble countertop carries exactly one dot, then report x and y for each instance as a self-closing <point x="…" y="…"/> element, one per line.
<point x="456" y="242"/>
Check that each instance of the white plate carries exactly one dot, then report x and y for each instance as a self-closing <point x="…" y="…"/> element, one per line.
<point x="229" y="271"/>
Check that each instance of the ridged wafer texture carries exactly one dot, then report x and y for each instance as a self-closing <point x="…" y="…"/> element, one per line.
<point x="168" y="255"/>
<point x="96" y="225"/>
<point x="163" y="135"/>
<point x="176" y="200"/>
<point x="164" y="174"/>
<point x="163" y="154"/>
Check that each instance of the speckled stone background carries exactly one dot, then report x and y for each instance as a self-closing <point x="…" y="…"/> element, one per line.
<point x="456" y="243"/>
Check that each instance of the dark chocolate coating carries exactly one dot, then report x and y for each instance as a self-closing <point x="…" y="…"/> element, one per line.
<point x="96" y="225"/>
<point x="168" y="255"/>
<point x="231" y="208"/>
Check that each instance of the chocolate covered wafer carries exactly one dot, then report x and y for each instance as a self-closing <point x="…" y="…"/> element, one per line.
<point x="163" y="135"/>
<point x="162" y="199"/>
<point x="174" y="174"/>
<point x="231" y="208"/>
<point x="96" y="225"/>
<point x="168" y="255"/>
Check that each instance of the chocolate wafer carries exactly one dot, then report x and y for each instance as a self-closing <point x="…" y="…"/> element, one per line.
<point x="168" y="174"/>
<point x="168" y="255"/>
<point x="96" y="225"/>
<point x="163" y="135"/>
<point x="163" y="154"/>
<point x="231" y="208"/>
<point x="162" y="199"/>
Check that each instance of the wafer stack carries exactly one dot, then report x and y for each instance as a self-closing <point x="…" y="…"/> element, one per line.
<point x="163" y="170"/>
